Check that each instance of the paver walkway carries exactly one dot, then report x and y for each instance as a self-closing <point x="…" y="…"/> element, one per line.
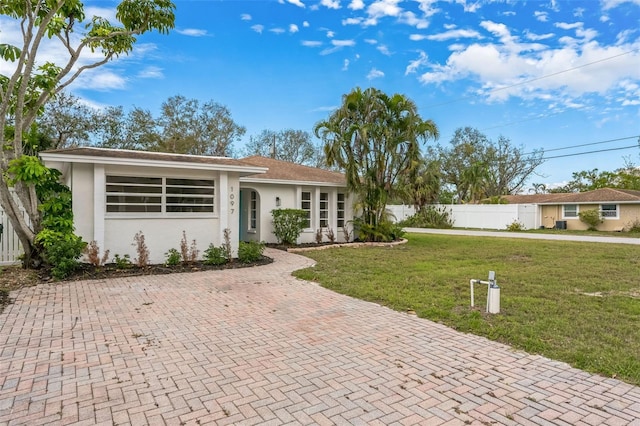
<point x="256" y="346"/>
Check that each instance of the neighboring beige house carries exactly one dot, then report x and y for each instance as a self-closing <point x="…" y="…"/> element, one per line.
<point x="619" y="208"/>
<point x="117" y="193"/>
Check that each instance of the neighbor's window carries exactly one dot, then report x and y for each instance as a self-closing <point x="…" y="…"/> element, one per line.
<point x="324" y="210"/>
<point x="253" y="210"/>
<point x="570" y="210"/>
<point x="609" y="211"/>
<point x="306" y="206"/>
<point x="340" y="210"/>
<point x="133" y="194"/>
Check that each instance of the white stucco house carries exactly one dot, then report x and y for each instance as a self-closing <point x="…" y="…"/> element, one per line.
<point x="118" y="193"/>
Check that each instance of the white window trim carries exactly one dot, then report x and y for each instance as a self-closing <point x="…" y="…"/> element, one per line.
<point x="327" y="209"/>
<point x="616" y="217"/>
<point x="310" y="209"/>
<point x="163" y="214"/>
<point x="577" y="216"/>
<point x="253" y="211"/>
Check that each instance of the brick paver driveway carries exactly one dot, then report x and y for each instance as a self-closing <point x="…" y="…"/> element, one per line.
<point x="256" y="346"/>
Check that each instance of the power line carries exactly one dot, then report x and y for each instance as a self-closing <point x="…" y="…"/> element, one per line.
<point x="590" y="152"/>
<point x="586" y="144"/>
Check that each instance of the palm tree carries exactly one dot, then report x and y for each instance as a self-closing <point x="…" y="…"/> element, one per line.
<point x="374" y="138"/>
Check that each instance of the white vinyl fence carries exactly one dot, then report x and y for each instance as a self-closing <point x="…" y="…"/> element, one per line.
<point x="482" y="216"/>
<point x="10" y="247"/>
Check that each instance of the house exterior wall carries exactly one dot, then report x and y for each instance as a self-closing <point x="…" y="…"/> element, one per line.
<point x="162" y="231"/>
<point x="290" y="197"/>
<point x="627" y="214"/>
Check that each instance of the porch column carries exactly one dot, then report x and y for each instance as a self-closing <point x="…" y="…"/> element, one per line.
<point x="99" y="204"/>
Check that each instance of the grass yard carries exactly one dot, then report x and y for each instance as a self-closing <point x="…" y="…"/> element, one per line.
<point x="576" y="302"/>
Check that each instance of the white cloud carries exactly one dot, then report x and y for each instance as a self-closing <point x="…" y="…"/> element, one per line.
<point x="100" y="79"/>
<point x="370" y="41"/>
<point x="331" y="4"/>
<point x="374" y="73"/>
<point x="417" y="63"/>
<point x="578" y="12"/>
<point x="330" y="34"/>
<point x="245" y="17"/>
<point x="566" y="26"/>
<point x="345" y="65"/>
<point x="411" y="19"/>
<point x="311" y="43"/>
<point x="258" y="28"/>
<point x="417" y="37"/>
<point x="343" y="43"/>
<point x="305" y="24"/>
<point x="454" y="34"/>
<point x="352" y="21"/>
<point x="151" y="72"/>
<point x="192" y="32"/>
<point x="537" y="37"/>
<point x="293" y="28"/>
<point x="610" y="4"/>
<point x="106" y="13"/>
<point x="356" y="5"/>
<point x="277" y="30"/>
<point x="337" y="45"/>
<point x="296" y="3"/>
<point x="384" y="50"/>
<point x="541" y="16"/>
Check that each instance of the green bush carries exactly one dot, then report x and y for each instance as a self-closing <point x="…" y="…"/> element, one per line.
<point x="215" y="255"/>
<point x="288" y="224"/>
<point x="592" y="218"/>
<point x="633" y="226"/>
<point x="515" y="226"/>
<point x="430" y="217"/>
<point x="122" y="262"/>
<point x="61" y="251"/>
<point x="173" y="257"/>
<point x="384" y="231"/>
<point x="250" y="251"/>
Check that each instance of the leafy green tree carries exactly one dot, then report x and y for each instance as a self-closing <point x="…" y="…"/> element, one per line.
<point x="66" y="121"/>
<point x="30" y="83"/>
<point x="191" y="128"/>
<point x="375" y="138"/>
<point x="474" y="167"/>
<point x="290" y="145"/>
<point x="421" y="185"/>
<point x="627" y="177"/>
<point x="136" y="130"/>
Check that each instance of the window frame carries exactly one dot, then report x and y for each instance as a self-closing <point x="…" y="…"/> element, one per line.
<point x="253" y="210"/>
<point x="309" y="206"/>
<point x="564" y="211"/>
<point x="197" y="193"/>
<point x="616" y="210"/>
<point x="341" y="200"/>
<point x="323" y="210"/>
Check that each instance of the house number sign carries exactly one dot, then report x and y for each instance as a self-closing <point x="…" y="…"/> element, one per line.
<point x="232" y="201"/>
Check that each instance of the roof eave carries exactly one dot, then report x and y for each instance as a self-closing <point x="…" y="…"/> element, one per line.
<point x="143" y="162"/>
<point x="291" y="182"/>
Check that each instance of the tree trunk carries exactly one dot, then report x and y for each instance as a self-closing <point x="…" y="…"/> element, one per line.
<point x="26" y="235"/>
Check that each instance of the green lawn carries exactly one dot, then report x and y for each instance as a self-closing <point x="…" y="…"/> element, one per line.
<point x="544" y="308"/>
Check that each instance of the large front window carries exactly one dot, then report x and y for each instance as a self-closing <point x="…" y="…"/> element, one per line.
<point x="133" y="194"/>
<point x="340" y="210"/>
<point x="324" y="210"/>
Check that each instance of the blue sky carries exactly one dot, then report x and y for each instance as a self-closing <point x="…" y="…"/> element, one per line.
<point x="545" y="74"/>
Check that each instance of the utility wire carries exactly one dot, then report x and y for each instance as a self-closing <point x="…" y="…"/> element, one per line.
<point x="586" y="144"/>
<point x="590" y="152"/>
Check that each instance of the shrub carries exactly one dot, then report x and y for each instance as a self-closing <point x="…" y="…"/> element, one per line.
<point x="346" y="233"/>
<point x="215" y="255"/>
<point x="189" y="253"/>
<point x="592" y="218"/>
<point x="122" y="262"/>
<point x="288" y="224"/>
<point x="173" y="257"/>
<point x="515" y="226"/>
<point x="382" y="232"/>
<point x="319" y="236"/>
<point x="61" y="251"/>
<point x="331" y="236"/>
<point x="633" y="226"/>
<point x="430" y="217"/>
<point x="226" y="245"/>
<point x="93" y="254"/>
<point x="250" y="251"/>
<point x="141" y="248"/>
